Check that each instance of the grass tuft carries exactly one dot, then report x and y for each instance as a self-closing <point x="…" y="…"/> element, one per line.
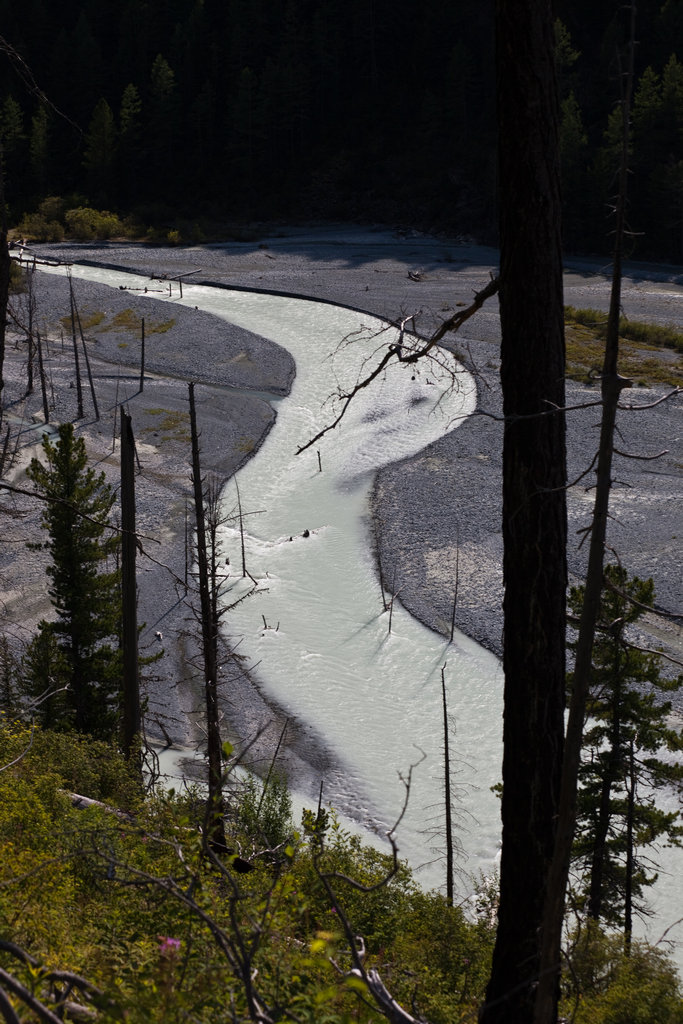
<point x="646" y="350"/>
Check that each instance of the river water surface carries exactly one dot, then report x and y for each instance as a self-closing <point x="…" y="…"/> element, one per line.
<point x="317" y="629"/>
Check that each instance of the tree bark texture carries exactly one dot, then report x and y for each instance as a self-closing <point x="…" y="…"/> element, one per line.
<point x="534" y="505"/>
<point x="131" y="720"/>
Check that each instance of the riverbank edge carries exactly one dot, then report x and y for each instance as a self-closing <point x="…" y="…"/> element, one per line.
<point x="449" y="491"/>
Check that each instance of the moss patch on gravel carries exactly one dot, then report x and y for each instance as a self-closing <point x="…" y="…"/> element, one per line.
<point x="172" y="425"/>
<point x="125" y="320"/>
<point x="87" y="319"/>
<point x="649" y="353"/>
<point x="129" y="320"/>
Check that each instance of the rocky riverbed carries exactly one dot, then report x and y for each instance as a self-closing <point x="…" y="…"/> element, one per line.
<point x="436" y="511"/>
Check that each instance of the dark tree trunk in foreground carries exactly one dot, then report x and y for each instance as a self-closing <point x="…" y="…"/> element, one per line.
<point x="534" y="510"/>
<point x="131" y="720"/>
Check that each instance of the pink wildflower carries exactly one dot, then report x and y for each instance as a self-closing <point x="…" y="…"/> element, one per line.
<point x="169" y="947"/>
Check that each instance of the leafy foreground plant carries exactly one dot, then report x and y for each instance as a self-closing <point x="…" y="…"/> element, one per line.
<point x="165" y="930"/>
<point x="605" y="986"/>
<point x="128" y="899"/>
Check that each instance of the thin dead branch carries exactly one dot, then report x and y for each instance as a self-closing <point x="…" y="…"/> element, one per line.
<point x="396" y="352"/>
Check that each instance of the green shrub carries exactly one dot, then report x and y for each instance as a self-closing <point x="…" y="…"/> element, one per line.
<point x="132" y="227"/>
<point x="607" y="986"/>
<point x="136" y="907"/>
<point x="86" y="224"/>
<point x="35" y="227"/>
<point x="17" y="279"/>
<point x="76" y="763"/>
<point x="197" y="234"/>
<point x="53" y="208"/>
<point x="444" y="959"/>
<point x="265" y="811"/>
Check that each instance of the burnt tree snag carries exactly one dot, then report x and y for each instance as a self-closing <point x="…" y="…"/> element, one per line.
<point x="210" y="624"/>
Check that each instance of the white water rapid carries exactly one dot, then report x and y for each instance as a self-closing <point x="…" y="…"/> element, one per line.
<point x="317" y="629"/>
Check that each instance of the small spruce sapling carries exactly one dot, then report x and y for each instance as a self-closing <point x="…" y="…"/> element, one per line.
<point x="624" y="766"/>
<point x="84" y="583"/>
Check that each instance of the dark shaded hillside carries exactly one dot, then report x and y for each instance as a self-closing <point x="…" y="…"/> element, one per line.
<point x="350" y="109"/>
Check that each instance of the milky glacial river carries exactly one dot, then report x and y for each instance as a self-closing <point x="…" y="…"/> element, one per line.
<point x="317" y="629"/>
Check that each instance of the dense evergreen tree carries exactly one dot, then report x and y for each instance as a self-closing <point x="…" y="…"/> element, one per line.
<point x="658" y="157"/>
<point x="575" y="179"/>
<point x="336" y="109"/>
<point x="622" y="768"/>
<point x="39" y="152"/>
<point x="270" y="109"/>
<point x="9" y="671"/>
<point x="84" y="586"/>
<point x="162" y="150"/>
<point x="45" y="678"/>
<point x="100" y="152"/>
<point x="129" y="153"/>
<point x="13" y="142"/>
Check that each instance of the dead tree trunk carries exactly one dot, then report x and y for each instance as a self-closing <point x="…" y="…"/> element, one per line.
<point x="450" y="881"/>
<point x="30" y="298"/>
<point x="43" y="382"/>
<point x="87" y="365"/>
<point x="630" y="843"/>
<point x="215" y="808"/>
<point x="241" y="521"/>
<point x="79" y="389"/>
<point x="142" y="357"/>
<point x="131" y="719"/>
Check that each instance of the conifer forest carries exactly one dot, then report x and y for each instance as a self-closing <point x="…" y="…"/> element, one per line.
<point x="242" y="109"/>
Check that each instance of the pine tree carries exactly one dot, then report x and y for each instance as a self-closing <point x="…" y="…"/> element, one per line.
<point x="573" y="149"/>
<point x="162" y="122"/>
<point x="100" y="152"/>
<point x="44" y="680"/>
<point x="130" y="163"/>
<point x="623" y="767"/>
<point x="12" y="139"/>
<point x="84" y="588"/>
<point x="39" y="150"/>
<point x="8" y="678"/>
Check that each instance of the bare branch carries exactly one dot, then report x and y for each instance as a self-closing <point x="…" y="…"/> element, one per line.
<point x="28" y="493"/>
<point x="396" y="352"/>
<point x="651" y="405"/>
<point x="21" y="992"/>
<point x="638" y="604"/>
<point x="7" y="1010"/>
<point x="26" y="75"/>
<point x="641" y="458"/>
